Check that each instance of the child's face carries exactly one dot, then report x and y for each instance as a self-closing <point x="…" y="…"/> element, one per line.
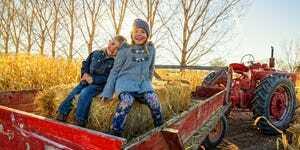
<point x="112" y="47"/>
<point x="139" y="36"/>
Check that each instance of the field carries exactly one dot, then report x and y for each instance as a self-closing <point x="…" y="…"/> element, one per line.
<point x="36" y="72"/>
<point x="39" y="72"/>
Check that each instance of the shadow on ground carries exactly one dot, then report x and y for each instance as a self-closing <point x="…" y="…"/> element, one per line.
<point x="243" y="136"/>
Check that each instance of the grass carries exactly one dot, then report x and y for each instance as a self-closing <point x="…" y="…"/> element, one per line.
<point x="36" y="72"/>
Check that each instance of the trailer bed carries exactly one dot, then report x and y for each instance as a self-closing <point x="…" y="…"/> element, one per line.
<point x="23" y="130"/>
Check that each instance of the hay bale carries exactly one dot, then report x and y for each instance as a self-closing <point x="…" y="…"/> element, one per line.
<point x="174" y="98"/>
<point x="48" y="100"/>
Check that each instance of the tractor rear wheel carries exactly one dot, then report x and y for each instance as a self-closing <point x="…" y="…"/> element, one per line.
<point x="274" y="99"/>
<point x="215" y="78"/>
<point x="215" y="137"/>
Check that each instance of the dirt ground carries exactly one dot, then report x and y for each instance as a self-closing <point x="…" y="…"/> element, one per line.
<point x="243" y="136"/>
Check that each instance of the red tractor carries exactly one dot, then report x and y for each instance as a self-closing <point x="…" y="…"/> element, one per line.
<point x="260" y="88"/>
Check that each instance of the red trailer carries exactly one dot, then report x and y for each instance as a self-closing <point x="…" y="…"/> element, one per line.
<point x="204" y="123"/>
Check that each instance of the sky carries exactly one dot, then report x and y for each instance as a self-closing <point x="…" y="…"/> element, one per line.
<point x="266" y="23"/>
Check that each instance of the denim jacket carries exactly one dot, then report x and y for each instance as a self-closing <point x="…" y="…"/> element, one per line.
<point x="98" y="65"/>
<point x="132" y="71"/>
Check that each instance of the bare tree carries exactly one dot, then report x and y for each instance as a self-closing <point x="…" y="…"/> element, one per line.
<point x="28" y="14"/>
<point x="117" y="10"/>
<point x="198" y="23"/>
<point x="219" y="61"/>
<point x="43" y="18"/>
<point x="291" y="57"/>
<point x="69" y="23"/>
<point x="53" y="31"/>
<point x="191" y="26"/>
<point x="6" y="22"/>
<point x="17" y="25"/>
<point x="92" y="15"/>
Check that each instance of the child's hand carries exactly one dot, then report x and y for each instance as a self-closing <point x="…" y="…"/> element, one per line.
<point x="84" y="76"/>
<point x="89" y="79"/>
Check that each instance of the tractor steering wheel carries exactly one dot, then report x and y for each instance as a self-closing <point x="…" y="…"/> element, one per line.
<point x="248" y="59"/>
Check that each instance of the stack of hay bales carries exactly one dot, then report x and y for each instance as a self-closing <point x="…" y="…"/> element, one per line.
<point x="174" y="98"/>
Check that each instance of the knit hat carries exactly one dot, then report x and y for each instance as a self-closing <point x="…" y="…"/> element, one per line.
<point x="140" y="23"/>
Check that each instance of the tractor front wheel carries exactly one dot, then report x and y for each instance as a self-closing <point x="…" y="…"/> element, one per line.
<point x="274" y="99"/>
<point x="216" y="136"/>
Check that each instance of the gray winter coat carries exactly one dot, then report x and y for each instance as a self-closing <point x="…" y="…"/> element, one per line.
<point x="132" y="71"/>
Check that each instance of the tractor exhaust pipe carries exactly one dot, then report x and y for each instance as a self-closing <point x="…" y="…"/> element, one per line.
<point x="272" y="59"/>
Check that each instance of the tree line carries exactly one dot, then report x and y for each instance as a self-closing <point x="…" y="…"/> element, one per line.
<point x="187" y="29"/>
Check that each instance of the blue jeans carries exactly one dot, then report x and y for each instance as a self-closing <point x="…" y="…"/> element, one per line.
<point x="126" y="102"/>
<point x="87" y="92"/>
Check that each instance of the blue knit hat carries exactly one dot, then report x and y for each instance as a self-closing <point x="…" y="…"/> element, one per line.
<point x="140" y="23"/>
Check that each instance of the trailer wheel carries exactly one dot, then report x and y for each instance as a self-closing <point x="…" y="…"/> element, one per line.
<point x="216" y="136"/>
<point x="275" y="99"/>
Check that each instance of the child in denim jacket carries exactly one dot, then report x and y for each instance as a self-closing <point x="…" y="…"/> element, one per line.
<point x="95" y="71"/>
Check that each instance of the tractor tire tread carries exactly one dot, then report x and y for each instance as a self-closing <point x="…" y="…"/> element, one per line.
<point x="261" y="102"/>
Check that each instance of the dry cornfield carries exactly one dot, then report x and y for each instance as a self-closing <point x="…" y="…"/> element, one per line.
<point x="36" y="72"/>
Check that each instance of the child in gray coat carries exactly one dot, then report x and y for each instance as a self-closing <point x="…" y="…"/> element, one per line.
<point x="130" y="79"/>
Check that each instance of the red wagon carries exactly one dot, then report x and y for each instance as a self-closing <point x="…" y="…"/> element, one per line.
<point x="204" y="123"/>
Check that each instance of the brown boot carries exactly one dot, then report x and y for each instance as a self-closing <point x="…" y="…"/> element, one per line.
<point x="80" y="123"/>
<point x="115" y="133"/>
<point x="61" y="117"/>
